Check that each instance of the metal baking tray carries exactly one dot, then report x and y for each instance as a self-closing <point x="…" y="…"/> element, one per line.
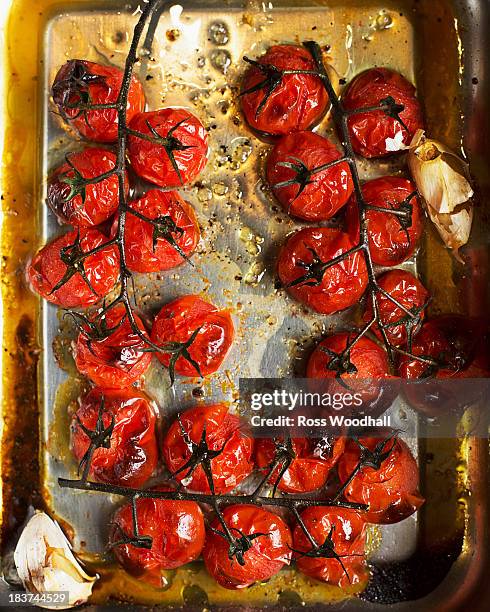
<point x="437" y="557"/>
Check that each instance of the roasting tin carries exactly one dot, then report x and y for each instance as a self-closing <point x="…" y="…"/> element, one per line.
<point x="437" y="557"/>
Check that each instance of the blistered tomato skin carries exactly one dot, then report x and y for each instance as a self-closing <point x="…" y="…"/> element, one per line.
<point x="390" y="492"/>
<point x="391" y="239"/>
<point x="297" y="103"/>
<point x="185" y="232"/>
<point x="117" y="361"/>
<point x="177" y="532"/>
<point x="79" y="82"/>
<point x="178" y="320"/>
<point x="46" y="270"/>
<point x="101" y="198"/>
<point x="307" y="472"/>
<point x="326" y="192"/>
<point x="223" y="430"/>
<point x="268" y="554"/>
<point x="188" y="140"/>
<point x="341" y="285"/>
<point x="374" y="133"/>
<point x="347" y="530"/>
<point x="132" y="453"/>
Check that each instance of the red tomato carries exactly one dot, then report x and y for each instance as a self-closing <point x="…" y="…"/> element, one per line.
<point x="66" y="196"/>
<point x="268" y="551"/>
<point x="50" y="266"/>
<point x="339" y="287"/>
<point x="345" y="529"/>
<point x="130" y="455"/>
<point x="308" y="471"/>
<point x="178" y="321"/>
<point x="374" y="133"/>
<point x="117" y="360"/>
<point x="391" y="491"/>
<point x="391" y="239"/>
<point x="178" y="232"/>
<point x="223" y="431"/>
<point x="80" y="83"/>
<point x="297" y="101"/>
<point x="303" y="191"/>
<point x="177" y="532"/>
<point x="174" y="133"/>
<point x="407" y="291"/>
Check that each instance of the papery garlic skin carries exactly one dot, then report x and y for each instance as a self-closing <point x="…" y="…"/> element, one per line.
<point x="45" y="562"/>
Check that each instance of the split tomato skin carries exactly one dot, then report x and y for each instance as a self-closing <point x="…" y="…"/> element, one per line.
<point x="268" y="554"/>
<point x="390" y="243"/>
<point x="132" y="455"/>
<point x="390" y="492"/>
<point x="223" y="431"/>
<point x="117" y="361"/>
<point x="370" y="131"/>
<point x="83" y="82"/>
<point x="151" y="161"/>
<point x="178" y="320"/>
<point x="348" y="533"/>
<point x="329" y="189"/>
<point x="46" y="270"/>
<point x="177" y="531"/>
<point x="297" y="103"/>
<point x="342" y="285"/>
<point x="140" y="254"/>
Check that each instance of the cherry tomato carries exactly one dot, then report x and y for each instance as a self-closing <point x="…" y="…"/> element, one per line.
<point x="310" y="468"/>
<point x="269" y="551"/>
<point x="375" y="133"/>
<point x="129" y="456"/>
<point x="295" y="175"/>
<point x="223" y="431"/>
<point x="79" y="84"/>
<point x="179" y="320"/>
<point x="392" y="239"/>
<point x="343" y="528"/>
<point x="175" y="134"/>
<point x="409" y="292"/>
<point x="177" y="532"/>
<point x="391" y="492"/>
<point x="50" y="266"/>
<point x="88" y="205"/>
<point x="116" y="360"/>
<point x="296" y="103"/>
<point x="339" y="286"/>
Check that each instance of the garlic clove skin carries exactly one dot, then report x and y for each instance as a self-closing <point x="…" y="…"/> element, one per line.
<point x="454" y="229"/>
<point x="45" y="562"/>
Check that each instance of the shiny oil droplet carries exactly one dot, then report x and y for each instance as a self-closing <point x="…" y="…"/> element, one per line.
<point x="218" y="33"/>
<point x="173" y="34"/>
<point x="220" y="189"/>
<point x="204" y="194"/>
<point x="221" y="60"/>
<point x="241" y="151"/>
<point x="384" y="21"/>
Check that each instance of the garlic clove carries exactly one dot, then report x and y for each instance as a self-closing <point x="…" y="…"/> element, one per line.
<point x="45" y="562"/>
<point x="454" y="228"/>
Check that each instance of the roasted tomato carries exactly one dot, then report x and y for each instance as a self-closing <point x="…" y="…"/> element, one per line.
<point x="83" y="205"/>
<point x="393" y="238"/>
<point x="377" y="133"/>
<point x="391" y="492"/>
<point x="112" y="355"/>
<point x="174" y="147"/>
<point x="326" y="290"/>
<point x="178" y="321"/>
<point x="296" y="174"/>
<point x="224" y="432"/>
<point x="340" y="529"/>
<point x="175" y="527"/>
<point x="263" y="539"/>
<point x="309" y="469"/>
<point x="165" y="245"/>
<point x="79" y="84"/>
<point x="294" y="103"/>
<point x="57" y="274"/>
<point x="410" y="294"/>
<point x="129" y="454"/>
